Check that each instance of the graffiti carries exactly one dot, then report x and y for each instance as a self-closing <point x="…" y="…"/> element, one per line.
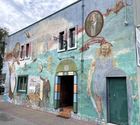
<point x="103" y="63"/>
<point x="50" y="60"/>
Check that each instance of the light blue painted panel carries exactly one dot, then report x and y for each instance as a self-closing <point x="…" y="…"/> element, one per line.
<point x="75" y="79"/>
<point x="56" y="80"/>
<point x="75" y="97"/>
<point x="55" y="97"/>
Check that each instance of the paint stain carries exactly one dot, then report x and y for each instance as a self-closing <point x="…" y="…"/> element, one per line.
<point x="121" y="38"/>
<point x="135" y="78"/>
<point x="135" y="96"/>
<point x="135" y="84"/>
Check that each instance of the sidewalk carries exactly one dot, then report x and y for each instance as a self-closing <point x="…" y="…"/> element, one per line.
<point x="37" y="116"/>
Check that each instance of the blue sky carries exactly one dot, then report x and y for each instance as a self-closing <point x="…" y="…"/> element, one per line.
<point x="17" y="14"/>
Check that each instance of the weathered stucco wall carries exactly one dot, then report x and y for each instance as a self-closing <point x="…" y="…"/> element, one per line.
<point x="118" y="38"/>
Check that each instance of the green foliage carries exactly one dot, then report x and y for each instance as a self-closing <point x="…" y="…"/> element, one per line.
<point x="3" y="34"/>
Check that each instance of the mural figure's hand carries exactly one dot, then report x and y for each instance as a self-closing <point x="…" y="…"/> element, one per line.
<point x="88" y="92"/>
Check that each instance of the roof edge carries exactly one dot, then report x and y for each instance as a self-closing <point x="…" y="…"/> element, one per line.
<point x="45" y="17"/>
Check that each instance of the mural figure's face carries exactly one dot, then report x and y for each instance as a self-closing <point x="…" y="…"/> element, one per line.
<point x="93" y="19"/>
<point x="46" y="76"/>
<point x="105" y="50"/>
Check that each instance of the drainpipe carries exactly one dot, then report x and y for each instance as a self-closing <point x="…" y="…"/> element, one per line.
<point x="125" y="22"/>
<point x="137" y="20"/>
<point x="82" y="61"/>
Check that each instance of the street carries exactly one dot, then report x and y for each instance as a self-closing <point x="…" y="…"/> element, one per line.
<point x="11" y="114"/>
<point x="10" y="119"/>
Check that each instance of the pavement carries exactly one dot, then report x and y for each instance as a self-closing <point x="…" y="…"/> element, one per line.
<point x="11" y="114"/>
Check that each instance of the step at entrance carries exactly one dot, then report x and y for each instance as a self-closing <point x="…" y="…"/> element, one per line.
<point x="66" y="112"/>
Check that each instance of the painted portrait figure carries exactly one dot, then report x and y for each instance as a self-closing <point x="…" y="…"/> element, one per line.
<point x="93" y="24"/>
<point x="16" y="50"/>
<point x="46" y="90"/>
<point x="103" y="63"/>
<point x="12" y="78"/>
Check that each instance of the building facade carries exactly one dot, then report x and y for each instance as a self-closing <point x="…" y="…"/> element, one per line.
<point x="79" y="62"/>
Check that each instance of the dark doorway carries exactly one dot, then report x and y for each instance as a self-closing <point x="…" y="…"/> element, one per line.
<point x="66" y="91"/>
<point x="117" y="101"/>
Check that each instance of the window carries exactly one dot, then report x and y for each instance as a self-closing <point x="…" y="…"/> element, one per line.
<point x="61" y="40"/>
<point x="72" y="38"/>
<point x="27" y="50"/>
<point x="22" y="84"/>
<point x="22" y="48"/>
<point x="72" y="35"/>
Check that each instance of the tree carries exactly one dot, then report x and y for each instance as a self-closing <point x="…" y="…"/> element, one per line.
<point x="3" y="34"/>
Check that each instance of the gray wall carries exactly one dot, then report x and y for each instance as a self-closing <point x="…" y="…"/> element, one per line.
<point x="136" y="6"/>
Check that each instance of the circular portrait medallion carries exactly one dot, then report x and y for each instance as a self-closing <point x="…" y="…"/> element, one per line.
<point x="66" y="67"/>
<point x="94" y="23"/>
<point x="16" y="50"/>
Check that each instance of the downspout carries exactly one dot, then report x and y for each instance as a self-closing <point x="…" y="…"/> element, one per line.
<point x="137" y="20"/>
<point x="82" y="61"/>
<point x="126" y="23"/>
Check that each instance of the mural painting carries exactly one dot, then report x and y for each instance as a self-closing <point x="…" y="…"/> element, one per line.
<point x="94" y="23"/>
<point x="35" y="92"/>
<point x="16" y="50"/>
<point x="12" y="78"/>
<point x="50" y="60"/>
<point x="38" y="92"/>
<point x="103" y="63"/>
<point x="108" y="47"/>
<point x="46" y="90"/>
